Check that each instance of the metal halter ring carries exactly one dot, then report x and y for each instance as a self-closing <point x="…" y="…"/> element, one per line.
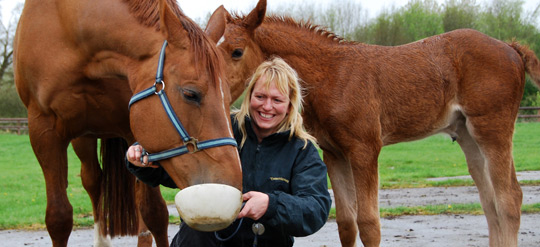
<point x="162" y="87"/>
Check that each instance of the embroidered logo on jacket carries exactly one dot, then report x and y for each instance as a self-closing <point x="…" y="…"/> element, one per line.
<point x="279" y="179"/>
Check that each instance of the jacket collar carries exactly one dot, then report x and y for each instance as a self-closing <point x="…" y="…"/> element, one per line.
<point x="271" y="138"/>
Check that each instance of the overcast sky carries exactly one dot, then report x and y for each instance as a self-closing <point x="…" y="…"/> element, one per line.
<point x="200" y="8"/>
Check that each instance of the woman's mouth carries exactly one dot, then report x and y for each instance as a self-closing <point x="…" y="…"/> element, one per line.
<point x="266" y="116"/>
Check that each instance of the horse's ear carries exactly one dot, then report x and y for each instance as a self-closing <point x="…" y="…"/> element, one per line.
<point x="216" y="25"/>
<point x="256" y="16"/>
<point x="171" y="26"/>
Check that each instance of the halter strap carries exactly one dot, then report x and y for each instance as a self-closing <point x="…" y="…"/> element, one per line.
<point x="188" y="140"/>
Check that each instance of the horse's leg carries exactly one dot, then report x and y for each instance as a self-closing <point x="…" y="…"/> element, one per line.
<point x="340" y="174"/>
<point x="363" y="157"/>
<point x="355" y="183"/>
<point x="144" y="239"/>
<point x="51" y="152"/>
<point x="153" y="211"/>
<point x="488" y="150"/>
<point x="91" y="176"/>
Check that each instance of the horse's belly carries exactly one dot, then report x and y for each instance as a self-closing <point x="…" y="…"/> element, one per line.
<point x="446" y="122"/>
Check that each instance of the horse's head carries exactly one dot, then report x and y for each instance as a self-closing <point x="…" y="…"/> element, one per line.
<point x="236" y="40"/>
<point x="188" y="102"/>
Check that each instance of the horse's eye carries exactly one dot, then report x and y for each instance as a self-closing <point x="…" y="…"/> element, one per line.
<point x="191" y="96"/>
<point x="237" y="53"/>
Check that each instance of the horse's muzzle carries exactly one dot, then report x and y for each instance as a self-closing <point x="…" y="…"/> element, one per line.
<point x="208" y="207"/>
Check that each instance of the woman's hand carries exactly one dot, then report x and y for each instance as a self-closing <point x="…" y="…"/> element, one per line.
<point x="134" y="154"/>
<point x="256" y="205"/>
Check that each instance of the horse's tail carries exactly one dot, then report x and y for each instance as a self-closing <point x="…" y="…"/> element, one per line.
<point x="532" y="65"/>
<point x="118" y="211"/>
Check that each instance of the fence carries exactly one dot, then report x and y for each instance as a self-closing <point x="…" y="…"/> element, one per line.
<point x="14" y="124"/>
<point x="529" y="116"/>
<point x="21" y="124"/>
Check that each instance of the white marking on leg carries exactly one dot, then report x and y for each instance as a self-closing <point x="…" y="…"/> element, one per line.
<point x="100" y="240"/>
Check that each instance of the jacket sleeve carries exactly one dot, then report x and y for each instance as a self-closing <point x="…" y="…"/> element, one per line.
<point x="151" y="176"/>
<point x="306" y="209"/>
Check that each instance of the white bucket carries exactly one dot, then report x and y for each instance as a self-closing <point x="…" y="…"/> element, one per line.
<point x="208" y="207"/>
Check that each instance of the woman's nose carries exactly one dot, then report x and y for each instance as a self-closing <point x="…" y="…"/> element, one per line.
<point x="267" y="105"/>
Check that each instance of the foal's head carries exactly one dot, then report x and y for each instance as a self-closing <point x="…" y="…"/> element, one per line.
<point x="236" y="40"/>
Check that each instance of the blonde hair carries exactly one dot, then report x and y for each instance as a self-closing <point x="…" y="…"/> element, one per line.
<point x="277" y="71"/>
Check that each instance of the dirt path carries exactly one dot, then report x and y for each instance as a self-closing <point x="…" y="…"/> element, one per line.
<point x="438" y="230"/>
<point x="406" y="231"/>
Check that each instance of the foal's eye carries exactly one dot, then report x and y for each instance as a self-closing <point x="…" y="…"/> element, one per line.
<point x="191" y="95"/>
<point x="237" y="53"/>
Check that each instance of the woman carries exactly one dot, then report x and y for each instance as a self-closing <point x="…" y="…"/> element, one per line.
<point x="284" y="179"/>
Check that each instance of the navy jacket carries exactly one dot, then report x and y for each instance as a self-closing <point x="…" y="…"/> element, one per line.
<point x="294" y="178"/>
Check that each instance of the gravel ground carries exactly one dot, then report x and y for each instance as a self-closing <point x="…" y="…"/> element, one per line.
<point x="404" y="231"/>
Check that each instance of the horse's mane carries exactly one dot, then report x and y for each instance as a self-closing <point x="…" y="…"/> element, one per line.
<point x="317" y="30"/>
<point x="147" y="12"/>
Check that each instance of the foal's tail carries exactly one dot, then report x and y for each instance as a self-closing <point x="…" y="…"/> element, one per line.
<point x="532" y="65"/>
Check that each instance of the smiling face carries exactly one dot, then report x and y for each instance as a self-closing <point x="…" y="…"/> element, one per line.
<point x="268" y="108"/>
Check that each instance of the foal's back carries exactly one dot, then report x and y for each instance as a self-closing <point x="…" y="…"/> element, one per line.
<point x="423" y="87"/>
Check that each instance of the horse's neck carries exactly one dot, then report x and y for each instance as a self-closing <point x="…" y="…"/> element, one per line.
<point x="111" y="37"/>
<point x="120" y="32"/>
<point x="311" y="54"/>
<point x="292" y="41"/>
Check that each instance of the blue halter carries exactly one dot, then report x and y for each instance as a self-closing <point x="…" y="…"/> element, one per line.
<point x="188" y="140"/>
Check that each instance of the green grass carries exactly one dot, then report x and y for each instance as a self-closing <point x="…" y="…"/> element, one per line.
<point x="22" y="186"/>
<point x="410" y="164"/>
<point x="23" y="200"/>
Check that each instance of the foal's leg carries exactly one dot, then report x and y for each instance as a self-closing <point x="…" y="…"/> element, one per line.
<point x="340" y="174"/>
<point x="363" y="158"/>
<point x="355" y="183"/>
<point x="488" y="151"/>
<point x="51" y="152"/>
<point x="86" y="150"/>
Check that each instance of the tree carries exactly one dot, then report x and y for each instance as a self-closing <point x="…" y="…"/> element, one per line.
<point x="340" y="16"/>
<point x="458" y="14"/>
<point x="421" y="19"/>
<point x="10" y="105"/>
<point x="7" y="32"/>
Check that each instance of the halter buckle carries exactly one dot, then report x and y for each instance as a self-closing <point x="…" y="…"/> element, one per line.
<point x="194" y="142"/>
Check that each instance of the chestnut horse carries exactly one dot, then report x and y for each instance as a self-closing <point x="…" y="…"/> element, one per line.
<point x="362" y="97"/>
<point x="77" y="63"/>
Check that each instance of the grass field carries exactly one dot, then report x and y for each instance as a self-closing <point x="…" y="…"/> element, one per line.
<point x="22" y="186"/>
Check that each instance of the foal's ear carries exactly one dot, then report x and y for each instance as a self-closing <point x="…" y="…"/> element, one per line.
<point x="256" y="16"/>
<point x="171" y="26"/>
<point x="216" y="25"/>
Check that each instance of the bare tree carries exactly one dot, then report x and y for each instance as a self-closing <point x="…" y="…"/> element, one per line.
<point x="10" y="105"/>
<point x="340" y="16"/>
<point x="7" y="32"/>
